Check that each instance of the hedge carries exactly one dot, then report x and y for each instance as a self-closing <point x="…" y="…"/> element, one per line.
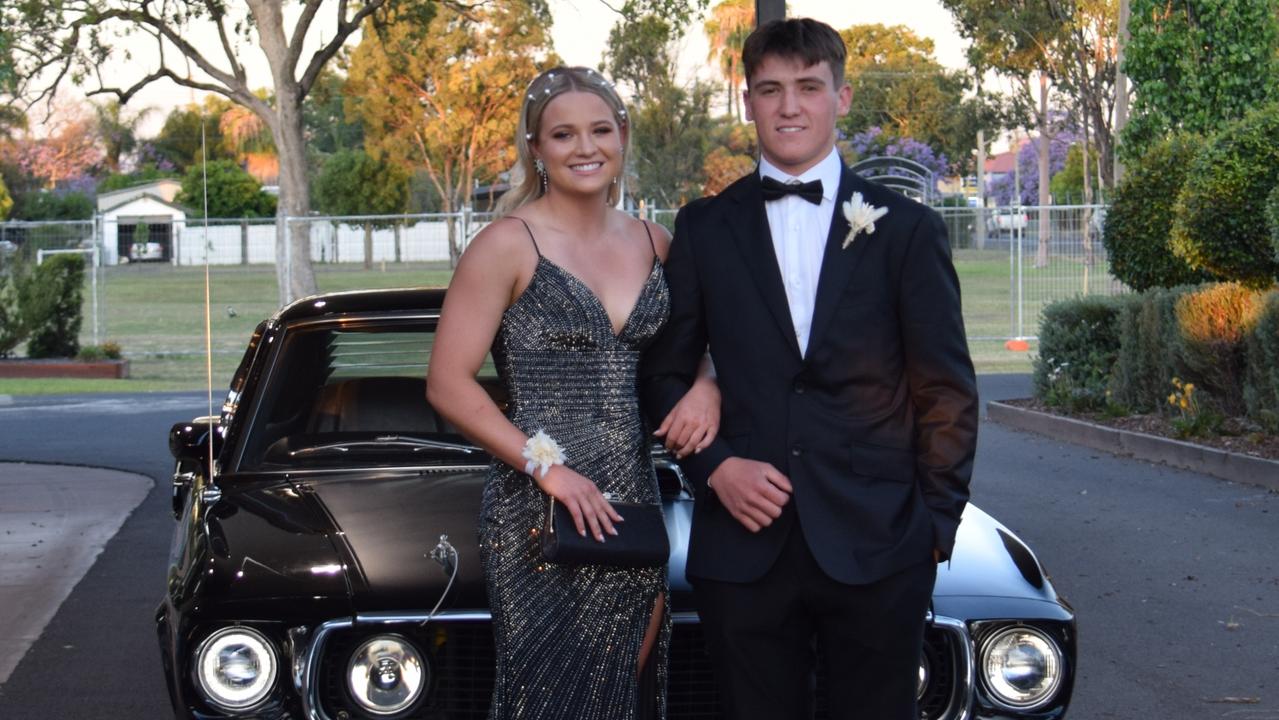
<point x="51" y="307"/>
<point x="1140" y="218"/>
<point x="1078" y="345"/>
<point x="1261" y="380"/>
<point x="1147" y="363"/>
<point x="1212" y="324"/>
<point x="1220" y="219"/>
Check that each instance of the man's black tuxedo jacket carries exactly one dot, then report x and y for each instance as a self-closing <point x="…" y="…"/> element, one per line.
<point x="876" y="426"/>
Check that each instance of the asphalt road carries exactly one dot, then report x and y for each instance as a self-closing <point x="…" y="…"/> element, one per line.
<point x="1173" y="575"/>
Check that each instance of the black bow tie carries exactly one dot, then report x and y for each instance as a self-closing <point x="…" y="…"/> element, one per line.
<point x="810" y="191"/>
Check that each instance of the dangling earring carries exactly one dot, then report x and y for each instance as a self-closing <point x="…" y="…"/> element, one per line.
<point x="541" y="172"/>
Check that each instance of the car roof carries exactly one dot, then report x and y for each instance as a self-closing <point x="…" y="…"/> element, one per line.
<point x="362" y="301"/>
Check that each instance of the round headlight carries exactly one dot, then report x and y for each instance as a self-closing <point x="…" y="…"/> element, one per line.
<point x="235" y="667"/>
<point x="1022" y="667"/>
<point x="386" y="675"/>
<point x="925" y="674"/>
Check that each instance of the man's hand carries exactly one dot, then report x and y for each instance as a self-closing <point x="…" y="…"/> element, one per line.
<point x="753" y="492"/>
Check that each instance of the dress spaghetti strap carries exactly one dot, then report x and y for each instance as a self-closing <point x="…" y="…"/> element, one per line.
<point x="529" y="230"/>
<point x="651" y="244"/>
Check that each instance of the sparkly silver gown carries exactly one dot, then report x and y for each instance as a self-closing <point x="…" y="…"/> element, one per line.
<point x="568" y="638"/>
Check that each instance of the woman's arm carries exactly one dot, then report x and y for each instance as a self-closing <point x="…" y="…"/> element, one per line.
<point x="483" y="286"/>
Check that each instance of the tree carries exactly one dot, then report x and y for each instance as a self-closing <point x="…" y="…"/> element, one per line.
<point x="324" y="120"/>
<point x="70" y="148"/>
<point x="730" y="22"/>
<point x="118" y="131"/>
<point x="191" y="134"/>
<point x="6" y="201"/>
<point x="1196" y="65"/>
<point x="445" y="97"/>
<point x="354" y="183"/>
<point x="1020" y="39"/>
<point x="1090" y="80"/>
<point x="898" y="86"/>
<point x="733" y="154"/>
<point x="232" y="192"/>
<point x="71" y="40"/>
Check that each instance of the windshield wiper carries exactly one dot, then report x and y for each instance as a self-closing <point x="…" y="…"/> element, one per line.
<point x="387" y="442"/>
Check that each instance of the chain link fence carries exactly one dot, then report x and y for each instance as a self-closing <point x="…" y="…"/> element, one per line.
<point x="145" y="287"/>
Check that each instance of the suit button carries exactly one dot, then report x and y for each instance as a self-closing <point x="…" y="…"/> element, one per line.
<point x="797" y="451"/>
<point x="799" y="387"/>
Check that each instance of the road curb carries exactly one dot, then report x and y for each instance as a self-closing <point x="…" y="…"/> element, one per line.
<point x="1175" y="453"/>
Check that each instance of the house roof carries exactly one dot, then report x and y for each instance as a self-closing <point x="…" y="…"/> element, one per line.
<point x="165" y="189"/>
<point x="145" y="196"/>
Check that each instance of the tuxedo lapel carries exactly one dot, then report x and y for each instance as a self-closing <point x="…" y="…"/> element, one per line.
<point x="838" y="262"/>
<point x="750" y="229"/>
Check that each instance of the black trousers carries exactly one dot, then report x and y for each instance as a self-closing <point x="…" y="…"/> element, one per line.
<point x="764" y="638"/>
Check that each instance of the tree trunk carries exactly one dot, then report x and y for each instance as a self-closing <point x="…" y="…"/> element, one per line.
<point x="295" y="276"/>
<point x="399" y="227"/>
<point x="368" y="246"/>
<point x="1088" y="212"/>
<point x="244" y="242"/>
<point x="980" y="223"/>
<point x="1041" y="257"/>
<point x="1121" y="88"/>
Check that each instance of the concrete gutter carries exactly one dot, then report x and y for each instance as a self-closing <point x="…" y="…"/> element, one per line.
<point x="1152" y="448"/>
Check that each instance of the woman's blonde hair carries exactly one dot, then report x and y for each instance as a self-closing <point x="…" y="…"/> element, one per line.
<point x="526" y="185"/>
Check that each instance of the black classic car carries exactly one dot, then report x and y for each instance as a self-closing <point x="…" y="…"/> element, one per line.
<point x="324" y="562"/>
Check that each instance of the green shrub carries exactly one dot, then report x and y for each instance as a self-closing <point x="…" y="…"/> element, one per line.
<point x="232" y="192"/>
<point x="1272" y="219"/>
<point x="1220" y="224"/>
<point x="13" y="329"/>
<point x="51" y="307"/>
<point x="1211" y="326"/>
<point x="1261" y="380"/>
<point x="104" y="351"/>
<point x="1078" y="344"/>
<point x="1140" y="218"/>
<point x="43" y="205"/>
<point x="1147" y="359"/>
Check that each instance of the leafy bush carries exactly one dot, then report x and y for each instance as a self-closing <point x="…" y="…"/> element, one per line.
<point x="1078" y="344"/>
<point x="232" y="192"/>
<point x="6" y="202"/>
<point x="13" y="329"/>
<point x="1220" y="222"/>
<point x="1272" y="219"/>
<point x="1147" y="361"/>
<point x="105" y="351"/>
<point x="1140" y="218"/>
<point x="1211" y="326"/>
<point x="51" y="307"/>
<point x="42" y="205"/>
<point x="1261" y="381"/>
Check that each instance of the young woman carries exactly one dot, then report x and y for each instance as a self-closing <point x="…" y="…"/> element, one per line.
<point x="566" y="292"/>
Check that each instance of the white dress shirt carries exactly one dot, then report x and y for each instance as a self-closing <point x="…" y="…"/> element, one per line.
<point x="799" y="229"/>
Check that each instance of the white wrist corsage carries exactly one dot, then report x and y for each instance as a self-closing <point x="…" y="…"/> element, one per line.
<point x="861" y="217"/>
<point x="541" y="451"/>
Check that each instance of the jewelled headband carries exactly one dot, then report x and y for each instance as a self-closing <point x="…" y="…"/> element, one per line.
<point x="599" y="79"/>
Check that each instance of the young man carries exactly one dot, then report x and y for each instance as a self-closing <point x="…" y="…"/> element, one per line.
<point x="849" y="418"/>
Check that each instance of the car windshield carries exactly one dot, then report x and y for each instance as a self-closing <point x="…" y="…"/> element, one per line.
<point x="353" y="393"/>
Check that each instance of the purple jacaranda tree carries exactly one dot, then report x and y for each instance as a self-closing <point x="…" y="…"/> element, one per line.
<point x="1001" y="189"/>
<point x="874" y="142"/>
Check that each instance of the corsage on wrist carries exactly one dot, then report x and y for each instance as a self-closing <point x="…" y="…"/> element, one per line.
<point x="541" y="451"/>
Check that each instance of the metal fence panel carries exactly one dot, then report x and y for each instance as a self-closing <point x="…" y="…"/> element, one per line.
<point x="1006" y="274"/>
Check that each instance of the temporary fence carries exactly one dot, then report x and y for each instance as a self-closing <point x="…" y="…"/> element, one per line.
<point x="1011" y="261"/>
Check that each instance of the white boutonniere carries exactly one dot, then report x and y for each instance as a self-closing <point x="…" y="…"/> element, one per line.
<point x="541" y="451"/>
<point x="861" y="217"/>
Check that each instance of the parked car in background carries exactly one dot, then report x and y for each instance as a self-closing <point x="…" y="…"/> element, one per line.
<point x="1005" y="220"/>
<point x="324" y="564"/>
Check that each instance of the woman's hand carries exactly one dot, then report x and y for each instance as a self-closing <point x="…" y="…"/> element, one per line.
<point x="691" y="425"/>
<point x="583" y="499"/>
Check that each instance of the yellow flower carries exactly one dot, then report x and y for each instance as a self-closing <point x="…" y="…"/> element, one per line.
<point x="1190" y="387"/>
<point x="1184" y="404"/>
<point x="1176" y="381"/>
<point x="1172" y="399"/>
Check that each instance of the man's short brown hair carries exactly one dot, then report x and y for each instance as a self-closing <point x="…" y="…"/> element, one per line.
<point x="802" y="39"/>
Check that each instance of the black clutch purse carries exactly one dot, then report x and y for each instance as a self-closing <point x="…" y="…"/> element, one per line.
<point x="640" y="540"/>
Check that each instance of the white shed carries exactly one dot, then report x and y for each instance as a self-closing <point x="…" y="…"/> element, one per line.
<point x="140" y="223"/>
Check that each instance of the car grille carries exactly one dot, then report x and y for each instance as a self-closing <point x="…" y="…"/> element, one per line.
<point x="462" y="661"/>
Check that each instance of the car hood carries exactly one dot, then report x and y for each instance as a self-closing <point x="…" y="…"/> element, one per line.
<point x="386" y="525"/>
<point x="989" y="561"/>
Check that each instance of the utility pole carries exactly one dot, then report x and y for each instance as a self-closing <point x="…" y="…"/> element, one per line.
<point x="1121" y="85"/>
<point x="769" y="10"/>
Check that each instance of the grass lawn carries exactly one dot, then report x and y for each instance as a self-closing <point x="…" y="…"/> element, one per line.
<point x="156" y="313"/>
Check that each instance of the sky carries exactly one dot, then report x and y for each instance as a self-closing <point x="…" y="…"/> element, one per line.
<point x="579" y="31"/>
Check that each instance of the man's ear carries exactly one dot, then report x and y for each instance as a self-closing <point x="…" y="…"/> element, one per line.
<point x="845" y="99"/>
<point x="746" y="105"/>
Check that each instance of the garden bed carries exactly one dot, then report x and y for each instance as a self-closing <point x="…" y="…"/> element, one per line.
<point x="64" y="368"/>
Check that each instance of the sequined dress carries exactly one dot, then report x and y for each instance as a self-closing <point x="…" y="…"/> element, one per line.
<point x="568" y="638"/>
